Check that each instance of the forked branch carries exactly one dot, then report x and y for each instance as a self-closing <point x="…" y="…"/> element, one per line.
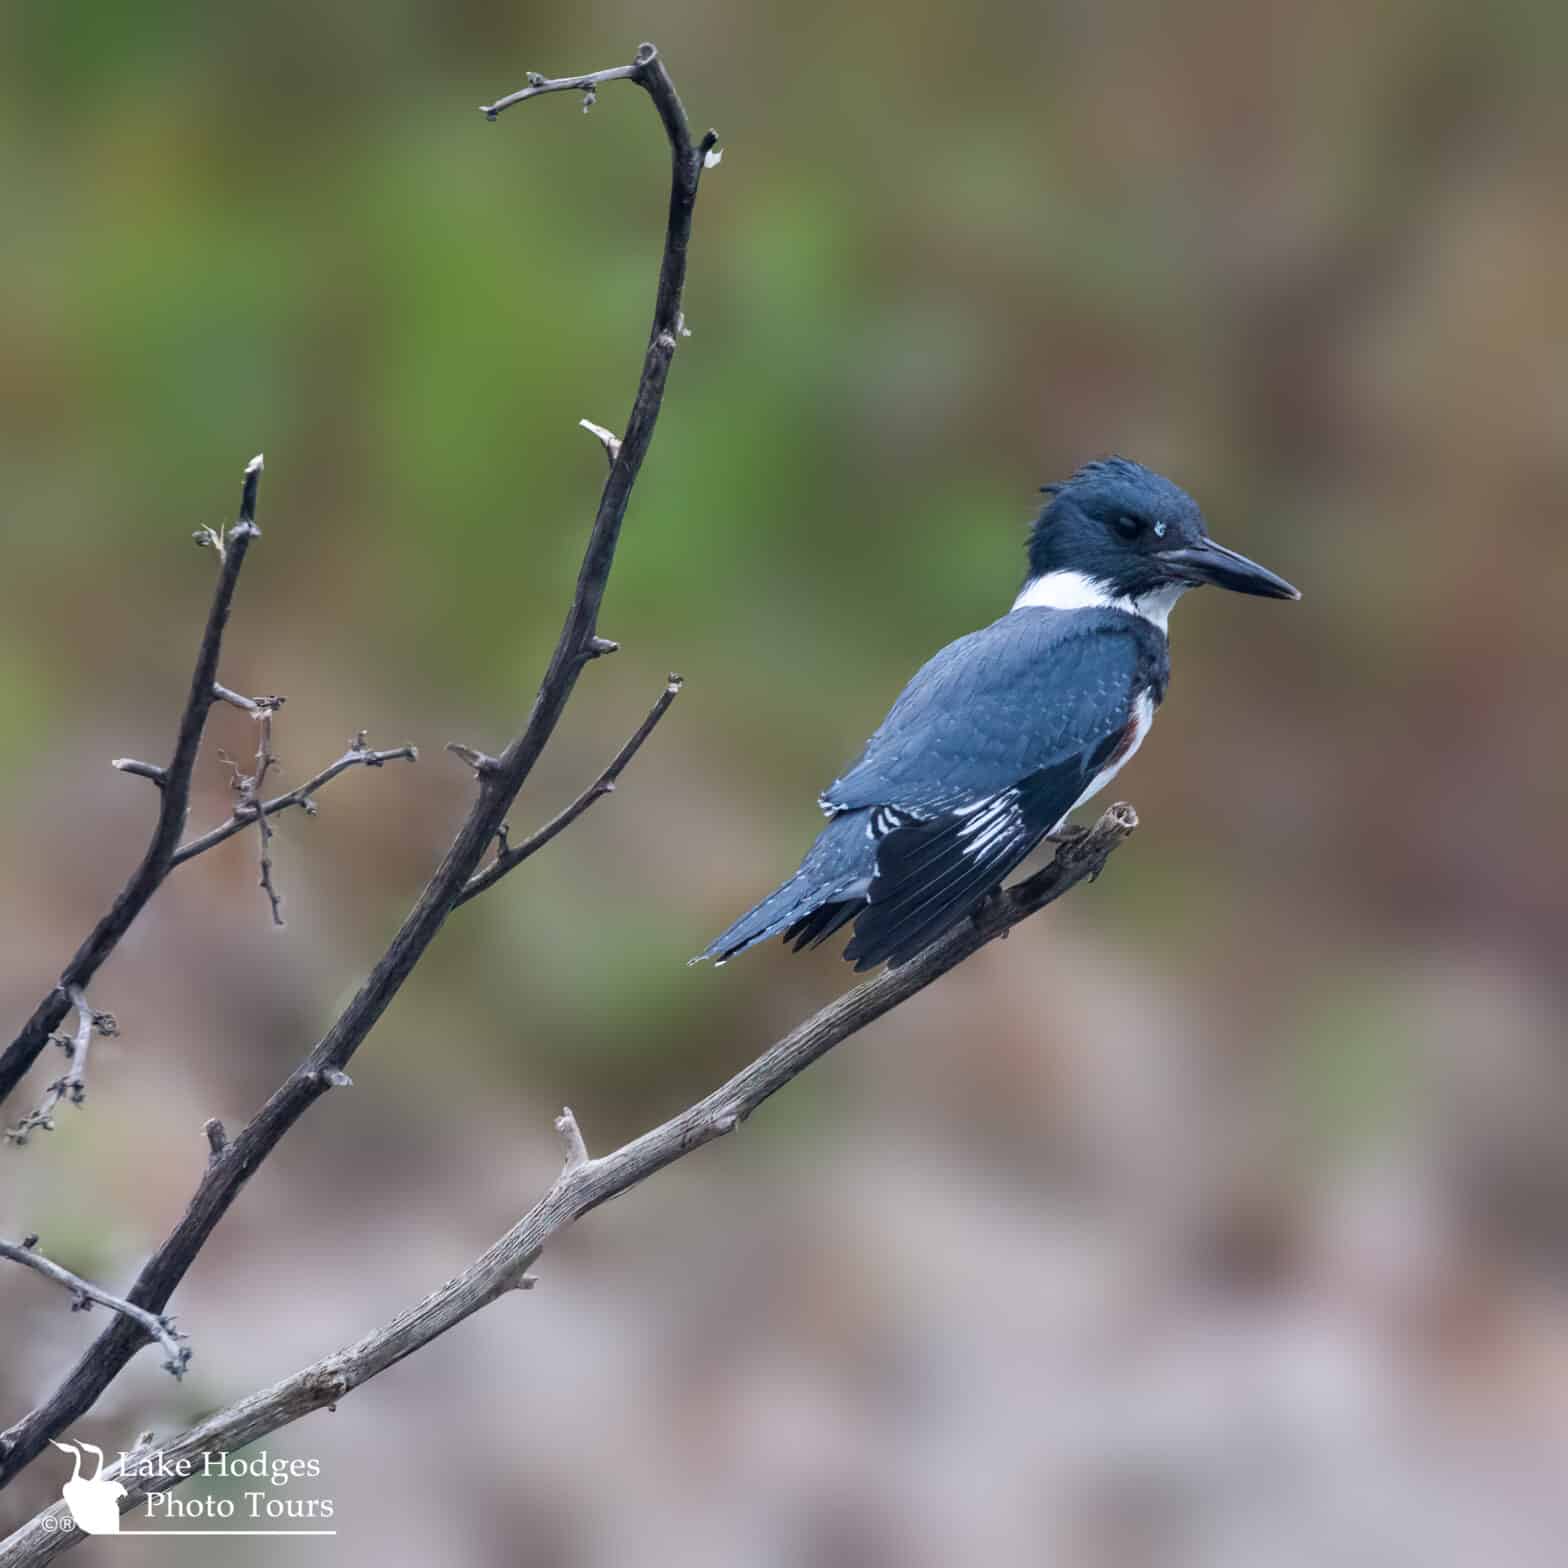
<point x="585" y="1183"/>
<point x="71" y="1085"/>
<point x="156" y="1327"/>
<point x="230" y="1166"/>
<point x="510" y="856"/>
<point x="174" y="797"/>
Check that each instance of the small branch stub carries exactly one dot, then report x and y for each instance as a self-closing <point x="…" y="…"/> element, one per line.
<point x="480" y="761"/>
<point x="606" y="438"/>
<point x="145" y="770"/>
<point x="576" y="1150"/>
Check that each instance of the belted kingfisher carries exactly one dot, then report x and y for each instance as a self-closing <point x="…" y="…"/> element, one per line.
<point x="1005" y="731"/>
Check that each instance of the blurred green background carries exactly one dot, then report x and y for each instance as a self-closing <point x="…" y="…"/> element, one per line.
<point x="1254" y="1150"/>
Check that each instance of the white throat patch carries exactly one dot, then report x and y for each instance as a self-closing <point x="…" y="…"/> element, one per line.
<point x="1074" y="591"/>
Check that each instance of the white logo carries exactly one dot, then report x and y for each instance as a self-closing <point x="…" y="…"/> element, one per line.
<point x="94" y="1502"/>
<point x="268" y="1497"/>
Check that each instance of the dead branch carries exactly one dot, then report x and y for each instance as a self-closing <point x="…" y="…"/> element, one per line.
<point x="358" y="755"/>
<point x="510" y="856"/>
<point x="323" y="1067"/>
<point x="174" y="798"/>
<point x="165" y="852"/>
<point x="584" y="1184"/>
<point x="71" y="1085"/>
<point x="83" y="1294"/>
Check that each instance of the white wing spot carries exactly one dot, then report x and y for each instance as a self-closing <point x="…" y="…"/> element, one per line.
<point x="988" y="822"/>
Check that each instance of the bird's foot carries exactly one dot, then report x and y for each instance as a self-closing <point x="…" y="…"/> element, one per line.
<point x="1067" y="833"/>
<point x="984" y="907"/>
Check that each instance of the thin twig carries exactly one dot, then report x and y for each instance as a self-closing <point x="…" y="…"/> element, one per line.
<point x="173" y="802"/>
<point x="158" y="1329"/>
<point x="583" y="1185"/>
<point x="250" y="705"/>
<point x="224" y="1177"/>
<point x="264" y="762"/>
<point x="510" y="856"/>
<point x="71" y="1085"/>
<point x="358" y="755"/>
<point x="249" y="785"/>
<point x="588" y="84"/>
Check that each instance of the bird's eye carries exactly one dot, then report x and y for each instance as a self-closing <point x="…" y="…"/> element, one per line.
<point x="1128" y="526"/>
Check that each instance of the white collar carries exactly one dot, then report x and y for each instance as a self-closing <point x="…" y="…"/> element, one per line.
<point x="1074" y="591"/>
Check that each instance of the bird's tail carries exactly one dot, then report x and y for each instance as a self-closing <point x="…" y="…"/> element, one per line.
<point x="837" y="868"/>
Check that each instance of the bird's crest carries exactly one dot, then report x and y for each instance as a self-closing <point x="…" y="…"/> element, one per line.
<point x="1113" y="466"/>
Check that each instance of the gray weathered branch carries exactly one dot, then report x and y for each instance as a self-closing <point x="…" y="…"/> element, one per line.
<point x="71" y="1085"/>
<point x="585" y="1183"/>
<point x="84" y="1293"/>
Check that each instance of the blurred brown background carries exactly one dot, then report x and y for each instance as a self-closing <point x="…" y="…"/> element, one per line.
<point x="1220" y="1216"/>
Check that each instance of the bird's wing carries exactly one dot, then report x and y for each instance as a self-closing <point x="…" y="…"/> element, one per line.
<point x="986" y="751"/>
<point x="1028" y="694"/>
<point x="931" y="875"/>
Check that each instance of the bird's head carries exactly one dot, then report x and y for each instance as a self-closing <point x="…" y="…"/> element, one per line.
<point x="1117" y="531"/>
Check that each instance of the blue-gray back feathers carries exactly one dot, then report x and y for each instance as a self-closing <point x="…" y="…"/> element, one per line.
<point x="984" y="753"/>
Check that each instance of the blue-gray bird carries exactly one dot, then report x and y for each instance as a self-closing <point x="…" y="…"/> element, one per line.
<point x="1005" y="731"/>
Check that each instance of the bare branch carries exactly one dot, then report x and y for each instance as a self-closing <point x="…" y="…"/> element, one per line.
<point x="587" y="85"/>
<point x="584" y="1184"/>
<point x="249" y="785"/>
<point x="358" y="755"/>
<point x="173" y="804"/>
<point x="264" y="763"/>
<point x="512" y="856"/>
<point x="158" y="1329"/>
<point x="225" y="1176"/>
<point x="71" y="1085"/>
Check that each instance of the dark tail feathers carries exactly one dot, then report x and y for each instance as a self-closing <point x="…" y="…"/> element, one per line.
<point x="827" y="890"/>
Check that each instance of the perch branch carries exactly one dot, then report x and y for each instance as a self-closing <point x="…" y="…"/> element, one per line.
<point x="586" y="1183"/>
<point x="227" y="1173"/>
<point x="512" y="856"/>
<point x="174" y="798"/>
<point x="83" y="1294"/>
